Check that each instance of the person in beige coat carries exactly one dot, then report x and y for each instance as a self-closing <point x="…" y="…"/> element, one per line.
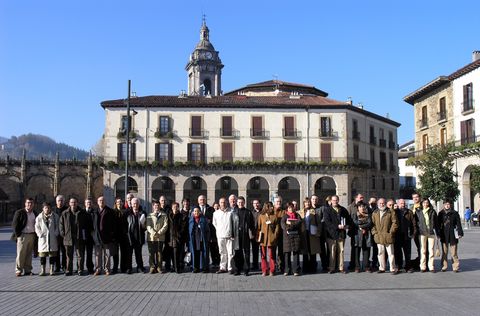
<point x="157" y="225"/>
<point x="46" y="228"/>
<point x="268" y="235"/>
<point x="383" y="231"/>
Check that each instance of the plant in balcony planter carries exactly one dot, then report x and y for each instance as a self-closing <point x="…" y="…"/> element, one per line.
<point x="121" y="135"/>
<point x="133" y="164"/>
<point x="178" y="164"/>
<point x="121" y="164"/>
<point x="112" y="165"/>
<point x="155" y="164"/>
<point x="166" y="164"/>
<point x="169" y="135"/>
<point x="144" y="164"/>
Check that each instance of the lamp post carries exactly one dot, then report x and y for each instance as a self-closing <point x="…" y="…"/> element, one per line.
<point x="127" y="139"/>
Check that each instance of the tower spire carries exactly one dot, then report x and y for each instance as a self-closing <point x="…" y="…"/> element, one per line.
<point x="204" y="31"/>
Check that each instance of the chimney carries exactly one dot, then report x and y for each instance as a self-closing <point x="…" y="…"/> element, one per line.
<point x="475" y="55"/>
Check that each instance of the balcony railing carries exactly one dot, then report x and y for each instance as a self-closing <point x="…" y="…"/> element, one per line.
<point x="441" y="116"/>
<point x="423" y="123"/>
<point x="259" y="133"/>
<point x="325" y="133"/>
<point x="356" y="135"/>
<point x="291" y="133"/>
<point x="392" y="145"/>
<point x="373" y="165"/>
<point x="382" y="143"/>
<point x="229" y="133"/>
<point x="467" y="106"/>
<point x="373" y="140"/>
<point x="164" y="134"/>
<point x="198" y="133"/>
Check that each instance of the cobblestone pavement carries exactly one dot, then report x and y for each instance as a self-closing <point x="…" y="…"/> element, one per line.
<point x="211" y="294"/>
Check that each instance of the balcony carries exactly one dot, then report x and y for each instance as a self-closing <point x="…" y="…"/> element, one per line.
<point x="163" y="134"/>
<point x="356" y="135"/>
<point x="392" y="145"/>
<point x="259" y="133"/>
<point x="229" y="133"/>
<point x="373" y="140"/>
<point x="382" y="143"/>
<point x="122" y="135"/>
<point x="423" y="123"/>
<point x="291" y="133"/>
<point x="441" y="116"/>
<point x="468" y="140"/>
<point x="325" y="133"/>
<point x="467" y="106"/>
<point x="198" y="133"/>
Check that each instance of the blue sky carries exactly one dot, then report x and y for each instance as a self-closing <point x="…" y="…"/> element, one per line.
<point x="60" y="59"/>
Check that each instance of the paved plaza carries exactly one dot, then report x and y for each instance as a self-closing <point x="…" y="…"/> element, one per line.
<point x="211" y="294"/>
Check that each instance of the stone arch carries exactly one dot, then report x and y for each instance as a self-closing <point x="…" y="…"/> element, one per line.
<point x="324" y="187"/>
<point x="74" y="186"/>
<point x="163" y="186"/>
<point x="225" y="186"/>
<point x="257" y="188"/>
<point x="119" y="187"/>
<point x="40" y="188"/>
<point x="193" y="187"/>
<point x="469" y="196"/>
<point x="289" y="189"/>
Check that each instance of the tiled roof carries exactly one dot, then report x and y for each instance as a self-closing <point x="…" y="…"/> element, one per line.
<point x="282" y="86"/>
<point x="415" y="95"/>
<point x="241" y="101"/>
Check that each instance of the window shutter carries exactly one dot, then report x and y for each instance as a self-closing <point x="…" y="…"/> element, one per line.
<point x="463" y="132"/>
<point x="227" y="125"/>
<point x="170" y="152"/>
<point x="133" y="152"/>
<point x="227" y="151"/>
<point x="257" y="123"/>
<point x="189" y="152"/>
<point x="196" y="125"/>
<point x="257" y="151"/>
<point x="170" y="123"/>
<point x="203" y="152"/>
<point x="289" y="151"/>
<point x="157" y="152"/>
<point x="119" y="152"/>
<point x="326" y="152"/>
<point x="289" y="125"/>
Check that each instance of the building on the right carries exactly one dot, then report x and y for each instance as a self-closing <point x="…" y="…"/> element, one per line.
<point x="445" y="111"/>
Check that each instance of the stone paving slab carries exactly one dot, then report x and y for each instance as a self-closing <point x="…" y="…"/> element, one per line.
<point x="212" y="294"/>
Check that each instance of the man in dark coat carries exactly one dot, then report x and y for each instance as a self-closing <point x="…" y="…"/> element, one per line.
<point x="61" y="259"/>
<point x="23" y="225"/>
<point x="372" y="206"/>
<point x="103" y="236"/>
<point x="75" y="227"/>
<point x="407" y="228"/>
<point x="208" y="211"/>
<point x="352" y="210"/>
<point x="135" y="221"/>
<point x="246" y="228"/>
<point x="450" y="232"/>
<point x="319" y="210"/>
<point x="257" y="209"/>
<point x="90" y="245"/>
<point x="337" y="220"/>
<point x="167" y="252"/>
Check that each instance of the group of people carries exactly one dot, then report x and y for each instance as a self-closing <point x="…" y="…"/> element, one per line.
<point x="230" y="238"/>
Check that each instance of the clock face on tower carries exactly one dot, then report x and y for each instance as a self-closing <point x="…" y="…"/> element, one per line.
<point x="208" y="55"/>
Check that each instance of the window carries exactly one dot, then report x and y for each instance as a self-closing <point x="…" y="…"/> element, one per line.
<point x="424" y="119"/>
<point x="289" y="151"/>
<point x="227" y="151"/>
<point x="442" y="107"/>
<point x="164" y="152"/>
<point x="257" y="151"/>
<point x="373" y="163"/>
<point x="372" y="183"/>
<point x="383" y="161"/>
<point x="391" y="141"/>
<point x="384" y="185"/>
<point x="424" y="142"/>
<point x="443" y="136"/>
<point x="164" y="126"/>
<point x="382" y="141"/>
<point x="356" y="154"/>
<point x="373" y="140"/>
<point x="356" y="133"/>
<point x="326" y="152"/>
<point x="196" y="126"/>
<point x="227" y="126"/>
<point x="289" y="126"/>
<point x="392" y="183"/>
<point x="325" y="127"/>
<point x="390" y="158"/>
<point x="122" y="151"/>
<point x="467" y="97"/>
<point x="196" y="152"/>
<point x="123" y="123"/>
<point x="467" y="131"/>
<point x="257" y="127"/>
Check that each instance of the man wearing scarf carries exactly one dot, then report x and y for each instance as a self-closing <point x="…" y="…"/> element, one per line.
<point x="136" y="235"/>
<point x="383" y="231"/>
<point x="246" y="228"/>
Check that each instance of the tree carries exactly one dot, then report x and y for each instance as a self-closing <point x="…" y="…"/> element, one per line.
<point x="436" y="176"/>
<point x="98" y="149"/>
<point x="475" y="179"/>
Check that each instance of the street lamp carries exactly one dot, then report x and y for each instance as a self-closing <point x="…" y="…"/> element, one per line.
<point x="127" y="138"/>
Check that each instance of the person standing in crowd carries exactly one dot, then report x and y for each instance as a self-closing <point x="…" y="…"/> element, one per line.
<point x="362" y="237"/>
<point x="128" y="201"/>
<point x="23" y="225"/>
<point x="468" y="217"/>
<point x="246" y="228"/>
<point x="428" y="231"/>
<point x="313" y="231"/>
<point x="372" y="206"/>
<point x="208" y="211"/>
<point x="233" y="209"/>
<point x="157" y="226"/>
<point x="178" y="223"/>
<point x="256" y="211"/>
<point x="186" y="241"/>
<point x="292" y="226"/>
<point x="319" y="210"/>
<point x="89" y="245"/>
<point x="417" y="206"/>
<point x="46" y="227"/>
<point x="216" y="206"/>
<point x="383" y="231"/>
<point x="167" y="253"/>
<point x="407" y="228"/>
<point x="135" y="221"/>
<point x="198" y="231"/>
<point x="337" y="221"/>
<point x="279" y="212"/>
<point x="75" y="227"/>
<point x="222" y="221"/>
<point x="352" y="210"/>
<point x="450" y="232"/>
<point x="103" y="236"/>
<point x="268" y="234"/>
<point x="61" y="259"/>
<point x="119" y="234"/>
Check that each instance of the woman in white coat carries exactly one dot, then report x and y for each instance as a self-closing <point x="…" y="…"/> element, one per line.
<point x="46" y="228"/>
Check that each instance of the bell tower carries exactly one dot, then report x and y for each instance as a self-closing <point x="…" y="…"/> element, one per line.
<point x="204" y="67"/>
